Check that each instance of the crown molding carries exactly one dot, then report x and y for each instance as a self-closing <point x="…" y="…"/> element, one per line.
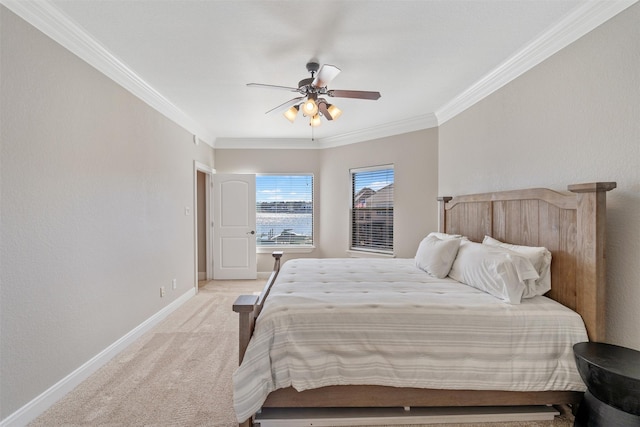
<point x="578" y="23"/>
<point x="384" y="130"/>
<point x="52" y="22"/>
<point x="266" y="143"/>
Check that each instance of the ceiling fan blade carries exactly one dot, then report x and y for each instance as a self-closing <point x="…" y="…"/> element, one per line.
<point x="290" y="103"/>
<point x="360" y="94"/>
<point x="325" y="75"/>
<point x="322" y="107"/>
<point x="291" y="89"/>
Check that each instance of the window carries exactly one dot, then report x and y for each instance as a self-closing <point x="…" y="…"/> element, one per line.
<point x="372" y="209"/>
<point x="284" y="210"/>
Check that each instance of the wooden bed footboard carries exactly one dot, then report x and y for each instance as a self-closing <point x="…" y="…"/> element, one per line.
<point x="249" y="306"/>
<point x="358" y="396"/>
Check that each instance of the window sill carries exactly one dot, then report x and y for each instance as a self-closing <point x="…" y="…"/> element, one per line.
<point x="285" y="249"/>
<point x="368" y="254"/>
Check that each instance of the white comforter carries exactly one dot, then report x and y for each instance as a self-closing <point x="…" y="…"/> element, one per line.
<point x="386" y="322"/>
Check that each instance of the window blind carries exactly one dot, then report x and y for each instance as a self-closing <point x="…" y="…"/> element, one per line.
<point x="372" y="209"/>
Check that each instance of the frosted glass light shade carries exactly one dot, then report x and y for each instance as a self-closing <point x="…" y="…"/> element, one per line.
<point x="292" y="113"/>
<point x="334" y="111"/>
<point x="310" y="108"/>
<point x="315" y="121"/>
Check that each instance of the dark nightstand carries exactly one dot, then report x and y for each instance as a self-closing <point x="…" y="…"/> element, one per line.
<point x="612" y="376"/>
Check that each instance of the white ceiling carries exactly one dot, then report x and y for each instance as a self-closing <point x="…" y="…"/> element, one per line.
<point x="429" y="59"/>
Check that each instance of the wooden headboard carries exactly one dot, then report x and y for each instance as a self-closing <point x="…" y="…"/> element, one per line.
<point x="571" y="225"/>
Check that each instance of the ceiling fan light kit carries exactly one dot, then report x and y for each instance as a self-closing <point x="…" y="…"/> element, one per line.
<point x="312" y="106"/>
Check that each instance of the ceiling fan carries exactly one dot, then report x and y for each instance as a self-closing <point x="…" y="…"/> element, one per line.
<point x="312" y="89"/>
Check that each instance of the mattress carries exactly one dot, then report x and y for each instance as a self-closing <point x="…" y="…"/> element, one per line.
<point x="364" y="321"/>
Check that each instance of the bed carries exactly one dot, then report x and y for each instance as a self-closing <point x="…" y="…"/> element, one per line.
<point x="571" y="225"/>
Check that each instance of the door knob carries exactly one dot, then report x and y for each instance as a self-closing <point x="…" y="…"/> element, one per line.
<point x="251" y="232"/>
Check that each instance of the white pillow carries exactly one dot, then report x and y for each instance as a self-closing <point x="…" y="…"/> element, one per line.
<point x="492" y="270"/>
<point x="445" y="236"/>
<point x="435" y="255"/>
<point x="540" y="257"/>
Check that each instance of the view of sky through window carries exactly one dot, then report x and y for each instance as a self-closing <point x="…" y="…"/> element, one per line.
<point x="279" y="188"/>
<point x="374" y="180"/>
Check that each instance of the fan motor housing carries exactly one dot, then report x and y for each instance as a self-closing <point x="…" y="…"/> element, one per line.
<point x="305" y="82"/>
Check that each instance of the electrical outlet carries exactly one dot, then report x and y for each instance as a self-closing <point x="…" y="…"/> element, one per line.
<point x="161" y="291"/>
<point x="174" y="284"/>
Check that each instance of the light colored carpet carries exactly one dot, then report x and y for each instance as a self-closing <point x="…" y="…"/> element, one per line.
<point x="179" y="374"/>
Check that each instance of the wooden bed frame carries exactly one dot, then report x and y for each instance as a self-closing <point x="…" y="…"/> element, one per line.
<point x="571" y="225"/>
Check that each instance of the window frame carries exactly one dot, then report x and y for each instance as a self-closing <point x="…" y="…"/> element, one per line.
<point x="361" y="251"/>
<point x="289" y="248"/>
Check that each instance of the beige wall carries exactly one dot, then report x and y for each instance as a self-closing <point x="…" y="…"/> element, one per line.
<point x="414" y="155"/>
<point x="574" y="118"/>
<point x="94" y="189"/>
<point x="415" y="158"/>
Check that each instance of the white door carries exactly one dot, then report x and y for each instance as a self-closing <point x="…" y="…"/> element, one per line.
<point x="234" y="225"/>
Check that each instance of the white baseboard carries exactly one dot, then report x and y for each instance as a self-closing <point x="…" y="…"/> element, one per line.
<point x="37" y="406"/>
<point x="202" y="275"/>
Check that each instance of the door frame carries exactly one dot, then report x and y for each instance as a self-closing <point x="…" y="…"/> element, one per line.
<point x="208" y="172"/>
